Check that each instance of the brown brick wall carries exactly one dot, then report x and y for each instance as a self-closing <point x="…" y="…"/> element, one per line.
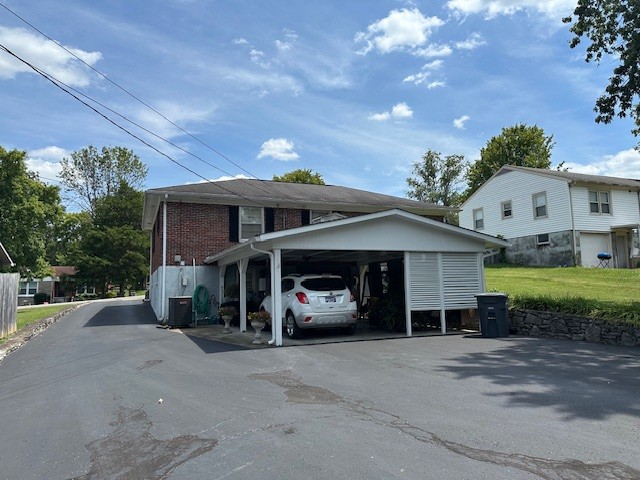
<point x="198" y="231"/>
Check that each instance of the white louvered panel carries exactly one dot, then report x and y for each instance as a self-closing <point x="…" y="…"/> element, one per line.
<point x="461" y="280"/>
<point x="424" y="281"/>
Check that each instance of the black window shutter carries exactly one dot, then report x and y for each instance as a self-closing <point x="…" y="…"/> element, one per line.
<point x="305" y="217"/>
<point x="234" y="224"/>
<point x="269" y="220"/>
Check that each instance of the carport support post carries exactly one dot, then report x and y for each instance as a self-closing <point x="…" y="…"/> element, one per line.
<point x="221" y="271"/>
<point x="242" y="269"/>
<point x="276" y="288"/>
<point x="443" y="320"/>
<point x="407" y="293"/>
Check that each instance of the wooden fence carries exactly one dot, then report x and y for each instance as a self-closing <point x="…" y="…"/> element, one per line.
<point x="8" y="302"/>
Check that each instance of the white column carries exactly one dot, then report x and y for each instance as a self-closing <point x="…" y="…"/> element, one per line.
<point x="276" y="292"/>
<point x="407" y="292"/>
<point x="242" y="268"/>
<point x="221" y="271"/>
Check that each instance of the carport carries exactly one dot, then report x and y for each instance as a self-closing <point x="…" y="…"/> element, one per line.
<point x="443" y="264"/>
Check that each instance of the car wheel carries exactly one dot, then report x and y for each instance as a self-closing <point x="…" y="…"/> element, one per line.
<point x="293" y="331"/>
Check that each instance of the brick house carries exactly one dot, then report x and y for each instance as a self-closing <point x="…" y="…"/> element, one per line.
<point x="241" y="232"/>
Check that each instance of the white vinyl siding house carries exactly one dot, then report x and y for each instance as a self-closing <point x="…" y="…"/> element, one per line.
<point x="559" y="218"/>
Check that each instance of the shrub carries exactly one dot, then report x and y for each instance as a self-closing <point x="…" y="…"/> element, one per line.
<point x="40" y="298"/>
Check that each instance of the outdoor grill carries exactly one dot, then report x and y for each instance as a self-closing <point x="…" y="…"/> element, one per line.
<point x="604" y="258"/>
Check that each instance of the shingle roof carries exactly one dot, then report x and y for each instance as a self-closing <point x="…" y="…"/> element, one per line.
<point x="577" y="177"/>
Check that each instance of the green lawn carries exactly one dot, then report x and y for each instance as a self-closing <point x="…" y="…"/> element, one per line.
<point x="27" y="316"/>
<point x="611" y="285"/>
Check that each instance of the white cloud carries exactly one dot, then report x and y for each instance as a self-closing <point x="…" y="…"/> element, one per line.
<point x="179" y="113"/>
<point x="282" y="46"/>
<point x="278" y="149"/>
<point x="459" y="122"/>
<point x="471" y="43"/>
<point x="624" y="164"/>
<point x="403" y="30"/>
<point x="240" y="41"/>
<point x="380" y="117"/>
<point x="399" y="111"/>
<point x="492" y="8"/>
<point x="434" y="50"/>
<point x="223" y="178"/>
<point x="46" y="55"/>
<point x="436" y="84"/>
<point x="46" y="162"/>
<point x="424" y="74"/>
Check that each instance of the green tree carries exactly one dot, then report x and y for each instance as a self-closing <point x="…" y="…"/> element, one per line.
<point x="63" y="244"/>
<point x="438" y="180"/>
<point x="613" y="28"/>
<point x="519" y="145"/>
<point x="29" y="212"/>
<point x="301" y="175"/>
<point x="90" y="175"/>
<point x="115" y="250"/>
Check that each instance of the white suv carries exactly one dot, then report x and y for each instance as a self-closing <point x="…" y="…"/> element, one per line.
<point x="315" y="301"/>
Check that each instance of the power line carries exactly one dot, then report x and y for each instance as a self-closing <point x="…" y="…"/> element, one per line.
<point x="61" y="87"/>
<point x="270" y="188"/>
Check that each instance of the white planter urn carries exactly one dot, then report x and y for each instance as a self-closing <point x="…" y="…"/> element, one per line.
<point x="227" y="323"/>
<point x="258" y="326"/>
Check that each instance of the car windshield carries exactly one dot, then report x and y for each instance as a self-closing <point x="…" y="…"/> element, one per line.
<point x="323" y="284"/>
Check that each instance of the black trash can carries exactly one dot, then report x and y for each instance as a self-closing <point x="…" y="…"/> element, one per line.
<point x="494" y="318"/>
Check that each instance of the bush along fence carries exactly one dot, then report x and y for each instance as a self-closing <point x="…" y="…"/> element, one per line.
<point x="8" y="302"/>
<point x="561" y="325"/>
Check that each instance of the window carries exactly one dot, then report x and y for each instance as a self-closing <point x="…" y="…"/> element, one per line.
<point x="287" y="285"/>
<point x="540" y="205"/>
<point x="506" y="209"/>
<point x="250" y="222"/>
<point x="543" y="239"/>
<point x="478" y="219"/>
<point x="599" y="202"/>
<point x="28" y="288"/>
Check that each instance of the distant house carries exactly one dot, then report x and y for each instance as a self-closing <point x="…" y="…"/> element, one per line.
<point x="249" y="233"/>
<point x="553" y="218"/>
<point x="53" y="285"/>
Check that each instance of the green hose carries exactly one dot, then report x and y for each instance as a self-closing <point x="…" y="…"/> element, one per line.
<point x="201" y="304"/>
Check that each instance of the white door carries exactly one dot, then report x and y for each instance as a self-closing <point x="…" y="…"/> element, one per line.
<point x="591" y="244"/>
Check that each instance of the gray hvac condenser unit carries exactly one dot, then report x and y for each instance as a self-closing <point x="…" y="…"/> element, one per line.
<point x="179" y="312"/>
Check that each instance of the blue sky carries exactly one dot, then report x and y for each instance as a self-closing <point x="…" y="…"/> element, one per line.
<point x="355" y="90"/>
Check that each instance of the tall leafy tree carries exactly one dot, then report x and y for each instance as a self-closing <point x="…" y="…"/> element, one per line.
<point x="613" y="29"/>
<point x="115" y="250"/>
<point x="521" y="145"/>
<point x="300" y="175"/>
<point x="438" y="179"/>
<point x="89" y="174"/>
<point x="29" y="212"/>
<point x="63" y="244"/>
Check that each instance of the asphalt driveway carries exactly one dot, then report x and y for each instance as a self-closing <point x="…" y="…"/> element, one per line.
<point x="82" y="400"/>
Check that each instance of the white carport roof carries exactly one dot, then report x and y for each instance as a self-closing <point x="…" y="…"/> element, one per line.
<point x="376" y="233"/>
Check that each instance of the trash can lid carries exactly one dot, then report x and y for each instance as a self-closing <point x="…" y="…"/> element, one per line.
<point x="492" y="294"/>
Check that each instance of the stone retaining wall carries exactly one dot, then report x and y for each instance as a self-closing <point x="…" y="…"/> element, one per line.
<point x="558" y="325"/>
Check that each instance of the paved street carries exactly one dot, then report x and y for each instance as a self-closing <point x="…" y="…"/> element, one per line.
<point x="82" y="400"/>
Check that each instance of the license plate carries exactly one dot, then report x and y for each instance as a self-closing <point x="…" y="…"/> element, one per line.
<point x="330" y="299"/>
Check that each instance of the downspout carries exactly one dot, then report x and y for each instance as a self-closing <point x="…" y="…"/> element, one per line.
<point x="271" y="272"/>
<point x="164" y="255"/>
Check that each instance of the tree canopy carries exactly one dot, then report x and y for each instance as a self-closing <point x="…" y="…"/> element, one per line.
<point x="29" y="212"/>
<point x="521" y="145"/>
<point x="89" y="175"/>
<point x="613" y="29"/>
<point x="300" y="175"/>
<point x="438" y="180"/>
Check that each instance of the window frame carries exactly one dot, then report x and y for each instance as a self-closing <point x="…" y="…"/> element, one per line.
<point x="599" y="203"/>
<point x="502" y="209"/>
<point x="543" y="242"/>
<point x="476" y="219"/>
<point x="241" y="224"/>
<point x="535" y="207"/>
<point x="27" y="290"/>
